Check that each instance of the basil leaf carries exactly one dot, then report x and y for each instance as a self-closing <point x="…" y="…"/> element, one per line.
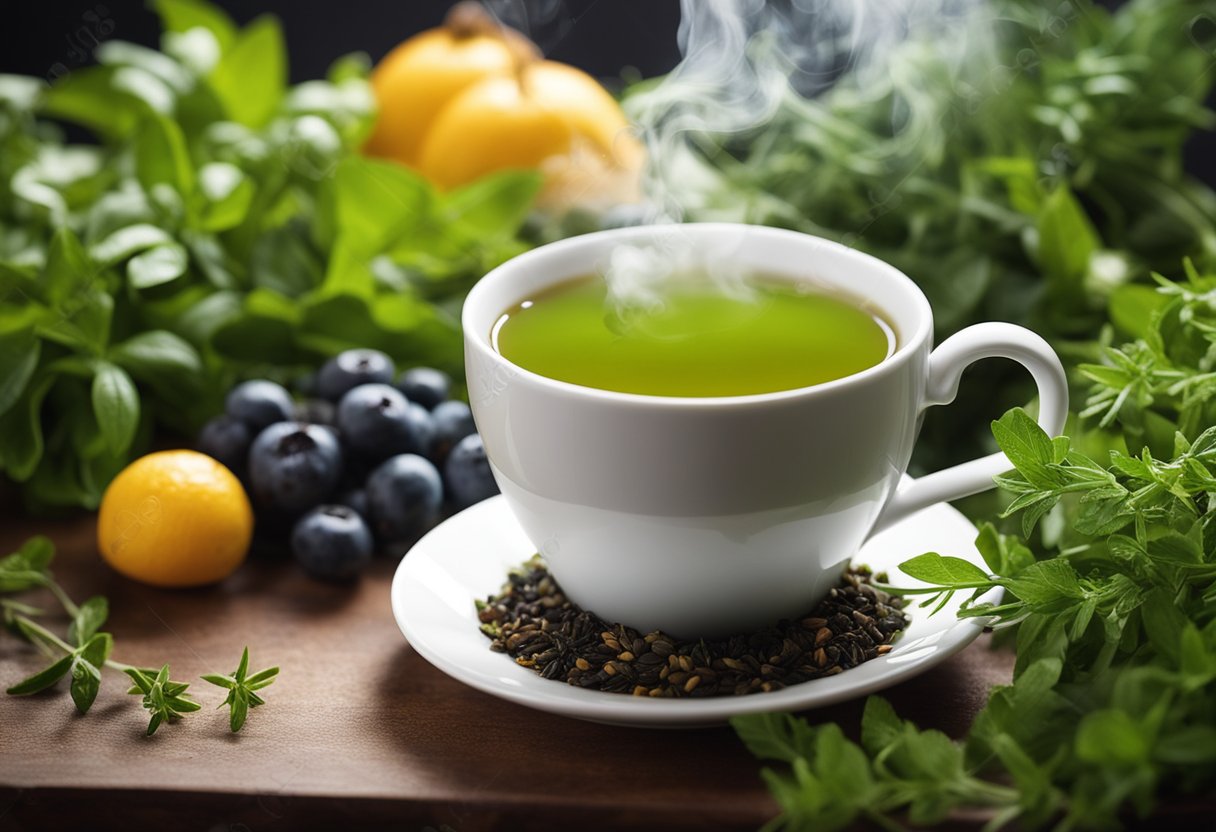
<point x="251" y="77"/>
<point x="227" y="194"/>
<point x="89" y="96"/>
<point x="157" y="356"/>
<point x="21" y="432"/>
<point x="161" y="156"/>
<point x="494" y="207"/>
<point x="1067" y="238"/>
<point x="157" y="266"/>
<point x="115" y="406"/>
<point x="125" y="242"/>
<point x="19" y="352"/>
<point x="184" y="15"/>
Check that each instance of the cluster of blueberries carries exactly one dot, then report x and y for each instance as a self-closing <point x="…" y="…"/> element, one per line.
<point x="363" y="460"/>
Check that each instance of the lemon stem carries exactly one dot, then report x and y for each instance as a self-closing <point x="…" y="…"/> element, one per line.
<point x="469" y="19"/>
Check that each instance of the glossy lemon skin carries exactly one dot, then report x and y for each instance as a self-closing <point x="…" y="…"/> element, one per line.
<point x="175" y="519"/>
<point x="418" y="78"/>
<point x="548" y="116"/>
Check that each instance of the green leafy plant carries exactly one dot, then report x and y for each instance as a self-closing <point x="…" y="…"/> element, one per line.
<point x="1027" y="167"/>
<point x="224" y="225"/>
<point x="86" y="651"/>
<point x="1113" y="700"/>
<point x="242" y="691"/>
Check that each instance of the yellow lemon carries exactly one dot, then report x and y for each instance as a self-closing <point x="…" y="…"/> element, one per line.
<point x="175" y="519"/>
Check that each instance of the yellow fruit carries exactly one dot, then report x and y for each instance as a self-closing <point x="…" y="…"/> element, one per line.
<point x="175" y="519"/>
<point x="419" y="77"/>
<point x="473" y="97"/>
<point x="548" y="116"/>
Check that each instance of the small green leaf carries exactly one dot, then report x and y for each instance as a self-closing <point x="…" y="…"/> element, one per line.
<point x="880" y="726"/>
<point x="1045" y="582"/>
<point x="162" y="157"/>
<point x="88" y="620"/>
<point x="251" y="77"/>
<point x="128" y="241"/>
<point x="1026" y="444"/>
<point x="157" y="266"/>
<point x="1067" y="238"/>
<point x="226" y="196"/>
<point x="218" y="680"/>
<point x="19" y="353"/>
<point x="115" y="406"/>
<point x="939" y="570"/>
<point x="1109" y="737"/>
<point x="184" y="15"/>
<point x="42" y="680"/>
<point x="86" y="670"/>
<point x="158" y="357"/>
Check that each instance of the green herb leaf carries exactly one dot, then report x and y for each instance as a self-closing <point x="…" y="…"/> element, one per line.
<point x="116" y="406"/>
<point x="88" y="620"/>
<point x="43" y="679"/>
<point x="944" y="571"/>
<point x="250" y="78"/>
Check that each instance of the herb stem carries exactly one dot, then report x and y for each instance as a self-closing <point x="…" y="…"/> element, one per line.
<point x="68" y="604"/>
<point x="43" y="633"/>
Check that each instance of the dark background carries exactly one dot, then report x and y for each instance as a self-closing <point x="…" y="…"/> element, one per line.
<point x="604" y="37"/>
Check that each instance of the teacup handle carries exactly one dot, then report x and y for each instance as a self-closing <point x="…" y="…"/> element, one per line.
<point x="946" y="365"/>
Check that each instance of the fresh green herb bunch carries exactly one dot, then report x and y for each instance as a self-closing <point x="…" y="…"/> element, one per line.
<point x="224" y="225"/>
<point x="1020" y="160"/>
<point x="1113" y="703"/>
<point x="86" y="651"/>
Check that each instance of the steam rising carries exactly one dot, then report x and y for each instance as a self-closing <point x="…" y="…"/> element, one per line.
<point x="744" y="59"/>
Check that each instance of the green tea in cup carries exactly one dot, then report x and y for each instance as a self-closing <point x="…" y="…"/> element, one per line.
<point x="693" y="339"/>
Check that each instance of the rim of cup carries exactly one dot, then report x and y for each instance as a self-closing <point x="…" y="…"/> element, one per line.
<point x="478" y="337"/>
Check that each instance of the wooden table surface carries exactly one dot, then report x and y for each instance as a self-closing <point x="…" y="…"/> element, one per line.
<point x="359" y="728"/>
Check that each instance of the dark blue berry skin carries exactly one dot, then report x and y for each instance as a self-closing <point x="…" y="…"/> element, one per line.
<point x="332" y="543"/>
<point x="349" y="369"/>
<point x="356" y="498"/>
<point x="425" y="386"/>
<point x="227" y="441"/>
<point x="294" y="467"/>
<point x="467" y="473"/>
<point x="404" y="495"/>
<point x="377" y="422"/>
<point x="315" y="412"/>
<point x="259" y="404"/>
<point x="453" y="421"/>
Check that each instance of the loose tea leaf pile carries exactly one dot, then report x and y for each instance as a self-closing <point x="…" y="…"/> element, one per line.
<point x="532" y="621"/>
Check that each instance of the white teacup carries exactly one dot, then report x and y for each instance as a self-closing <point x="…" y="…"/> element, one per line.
<point x="712" y="516"/>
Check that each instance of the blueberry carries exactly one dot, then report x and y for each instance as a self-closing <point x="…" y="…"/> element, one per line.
<point x="226" y="440"/>
<point x="294" y="466"/>
<point x="259" y="404"/>
<point x="377" y="422"/>
<point x="332" y="543"/>
<point x="355" y="498"/>
<point x="467" y="473"/>
<point x="425" y="386"/>
<point x="404" y="495"/>
<point x="349" y="369"/>
<point x="453" y="421"/>
<point x="315" y="412"/>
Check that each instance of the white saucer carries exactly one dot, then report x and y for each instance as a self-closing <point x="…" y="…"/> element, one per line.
<point x="468" y="557"/>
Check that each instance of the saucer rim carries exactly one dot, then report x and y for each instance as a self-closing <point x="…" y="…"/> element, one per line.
<point x="619" y="709"/>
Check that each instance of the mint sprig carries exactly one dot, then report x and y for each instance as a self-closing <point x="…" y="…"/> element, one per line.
<point x="86" y="651"/>
<point x="241" y="690"/>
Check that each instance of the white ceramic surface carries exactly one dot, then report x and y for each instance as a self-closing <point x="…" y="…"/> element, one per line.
<point x="738" y="510"/>
<point x="468" y="556"/>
